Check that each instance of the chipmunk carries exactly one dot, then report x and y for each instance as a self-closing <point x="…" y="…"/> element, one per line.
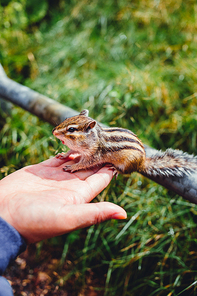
<point x="118" y="147"/>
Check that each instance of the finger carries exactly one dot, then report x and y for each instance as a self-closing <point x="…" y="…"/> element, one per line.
<point x="98" y="181"/>
<point x="84" y="215"/>
<point x="53" y="162"/>
<point x="73" y="217"/>
<point x="56" y="162"/>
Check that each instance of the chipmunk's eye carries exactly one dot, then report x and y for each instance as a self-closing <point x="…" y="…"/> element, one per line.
<point x="71" y="129"/>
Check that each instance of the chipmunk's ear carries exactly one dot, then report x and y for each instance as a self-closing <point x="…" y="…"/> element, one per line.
<point x="90" y="125"/>
<point x="85" y="112"/>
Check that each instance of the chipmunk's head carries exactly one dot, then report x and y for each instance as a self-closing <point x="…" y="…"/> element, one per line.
<point x="77" y="132"/>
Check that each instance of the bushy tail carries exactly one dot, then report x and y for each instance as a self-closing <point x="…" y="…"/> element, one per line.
<point x="170" y="163"/>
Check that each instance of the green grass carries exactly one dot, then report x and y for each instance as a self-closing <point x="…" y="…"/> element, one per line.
<point x="132" y="64"/>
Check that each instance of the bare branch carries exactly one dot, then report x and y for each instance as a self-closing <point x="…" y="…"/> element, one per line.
<point x="2" y="72"/>
<point x="30" y="100"/>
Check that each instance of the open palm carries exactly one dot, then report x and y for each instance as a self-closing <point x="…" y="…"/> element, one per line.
<point x="43" y="201"/>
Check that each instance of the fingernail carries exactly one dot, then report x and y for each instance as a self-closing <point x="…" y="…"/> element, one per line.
<point x="119" y="216"/>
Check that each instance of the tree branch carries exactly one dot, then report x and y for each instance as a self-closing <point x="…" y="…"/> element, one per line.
<point x="30" y="100"/>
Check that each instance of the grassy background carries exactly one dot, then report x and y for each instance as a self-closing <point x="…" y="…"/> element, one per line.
<point x="132" y="64"/>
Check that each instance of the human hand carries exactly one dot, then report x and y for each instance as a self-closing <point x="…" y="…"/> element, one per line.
<point x="43" y="201"/>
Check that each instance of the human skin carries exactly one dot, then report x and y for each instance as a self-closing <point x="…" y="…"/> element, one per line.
<point x="42" y="201"/>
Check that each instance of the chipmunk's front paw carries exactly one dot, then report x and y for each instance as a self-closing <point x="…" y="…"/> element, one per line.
<point x="74" y="168"/>
<point x="62" y="155"/>
<point x="67" y="168"/>
<point x="70" y="169"/>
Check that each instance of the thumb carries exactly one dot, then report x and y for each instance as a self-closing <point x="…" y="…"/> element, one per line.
<point x="84" y="215"/>
<point x="73" y="217"/>
<point x="92" y="213"/>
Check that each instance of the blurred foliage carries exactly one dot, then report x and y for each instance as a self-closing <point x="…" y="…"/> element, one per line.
<point x="132" y="64"/>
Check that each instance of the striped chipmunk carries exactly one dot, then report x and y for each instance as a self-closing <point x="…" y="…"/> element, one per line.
<point x="117" y="147"/>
